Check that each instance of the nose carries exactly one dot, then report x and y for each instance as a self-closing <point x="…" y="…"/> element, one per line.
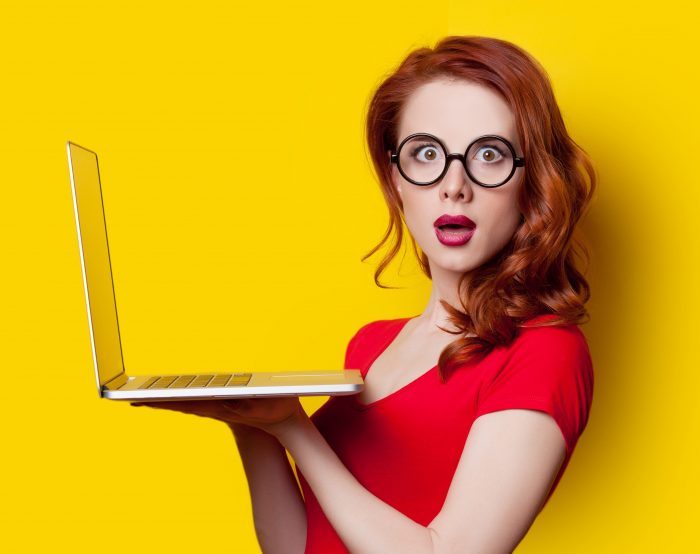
<point x="456" y="184"/>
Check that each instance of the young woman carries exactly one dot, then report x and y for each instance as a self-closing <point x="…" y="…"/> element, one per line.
<point x="471" y="409"/>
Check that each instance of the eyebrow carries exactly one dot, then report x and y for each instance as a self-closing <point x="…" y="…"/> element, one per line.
<point x="505" y="136"/>
<point x="502" y="135"/>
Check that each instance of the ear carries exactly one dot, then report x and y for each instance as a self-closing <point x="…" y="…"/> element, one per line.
<point x="395" y="176"/>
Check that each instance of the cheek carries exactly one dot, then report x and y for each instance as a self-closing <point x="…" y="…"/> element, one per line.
<point x="503" y="220"/>
<point x="417" y="215"/>
<point x="412" y="214"/>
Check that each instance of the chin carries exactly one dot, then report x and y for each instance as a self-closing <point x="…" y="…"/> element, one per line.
<point x="454" y="265"/>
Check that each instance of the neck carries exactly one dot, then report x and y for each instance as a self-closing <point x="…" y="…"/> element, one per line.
<point x="444" y="287"/>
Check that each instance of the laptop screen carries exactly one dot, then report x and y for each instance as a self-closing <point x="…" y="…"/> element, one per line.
<point x="94" y="254"/>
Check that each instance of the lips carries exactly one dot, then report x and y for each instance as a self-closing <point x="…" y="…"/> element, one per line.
<point x="454" y="230"/>
<point x="454" y="222"/>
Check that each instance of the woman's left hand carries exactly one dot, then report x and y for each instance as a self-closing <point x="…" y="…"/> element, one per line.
<point x="269" y="414"/>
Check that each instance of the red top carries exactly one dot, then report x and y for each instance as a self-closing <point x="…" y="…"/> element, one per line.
<point x="404" y="448"/>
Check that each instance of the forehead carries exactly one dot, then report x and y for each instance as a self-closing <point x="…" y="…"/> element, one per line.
<point x="456" y="112"/>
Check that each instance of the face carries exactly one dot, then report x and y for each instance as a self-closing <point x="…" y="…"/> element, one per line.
<point x="457" y="112"/>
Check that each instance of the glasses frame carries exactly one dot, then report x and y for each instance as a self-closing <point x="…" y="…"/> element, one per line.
<point x="518" y="161"/>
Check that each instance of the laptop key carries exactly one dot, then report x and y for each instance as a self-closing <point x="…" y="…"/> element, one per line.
<point x="181" y="382"/>
<point x="149" y="383"/>
<point x="219" y="380"/>
<point x="197" y="381"/>
<point x="200" y="381"/>
<point x="164" y="382"/>
<point x="239" y="380"/>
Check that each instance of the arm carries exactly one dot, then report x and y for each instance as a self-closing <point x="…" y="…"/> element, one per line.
<point x="506" y="470"/>
<point x="278" y="507"/>
<point x="510" y="459"/>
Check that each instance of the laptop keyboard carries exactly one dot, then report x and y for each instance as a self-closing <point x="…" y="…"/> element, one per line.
<point x="197" y="381"/>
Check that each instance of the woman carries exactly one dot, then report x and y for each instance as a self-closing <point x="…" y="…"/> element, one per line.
<point x="472" y="154"/>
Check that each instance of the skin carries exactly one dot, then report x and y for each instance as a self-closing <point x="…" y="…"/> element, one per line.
<point x="510" y="457"/>
<point x="457" y="113"/>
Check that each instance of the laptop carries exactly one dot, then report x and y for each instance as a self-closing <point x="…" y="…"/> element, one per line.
<point x="112" y="381"/>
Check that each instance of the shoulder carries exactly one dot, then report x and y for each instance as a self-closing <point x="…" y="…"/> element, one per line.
<point x="545" y="357"/>
<point x="372" y="334"/>
<point x="555" y="345"/>
<point x="546" y="367"/>
<point x="559" y="352"/>
<point x="551" y="353"/>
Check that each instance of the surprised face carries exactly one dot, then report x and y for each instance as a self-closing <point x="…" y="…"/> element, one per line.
<point x="458" y="112"/>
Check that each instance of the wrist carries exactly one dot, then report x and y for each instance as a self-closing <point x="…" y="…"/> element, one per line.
<point x="282" y="429"/>
<point x="241" y="431"/>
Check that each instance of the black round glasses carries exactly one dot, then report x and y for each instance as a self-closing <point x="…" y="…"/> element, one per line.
<point x="489" y="160"/>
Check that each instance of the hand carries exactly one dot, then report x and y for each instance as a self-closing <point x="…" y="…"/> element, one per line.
<point x="269" y="414"/>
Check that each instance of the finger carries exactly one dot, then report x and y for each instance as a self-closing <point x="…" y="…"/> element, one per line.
<point x="232" y="405"/>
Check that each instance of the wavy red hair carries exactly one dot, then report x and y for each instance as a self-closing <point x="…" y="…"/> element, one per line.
<point x="537" y="272"/>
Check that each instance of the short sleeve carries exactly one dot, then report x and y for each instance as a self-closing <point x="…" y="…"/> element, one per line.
<point x="549" y="369"/>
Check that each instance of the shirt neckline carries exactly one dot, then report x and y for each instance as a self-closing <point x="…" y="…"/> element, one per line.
<point x="385" y="344"/>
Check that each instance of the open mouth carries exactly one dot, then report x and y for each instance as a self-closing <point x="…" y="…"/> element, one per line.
<point x="451" y="227"/>
<point x="454" y="230"/>
<point x="453" y="234"/>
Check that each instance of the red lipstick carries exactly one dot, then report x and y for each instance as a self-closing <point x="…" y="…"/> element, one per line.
<point x="454" y="230"/>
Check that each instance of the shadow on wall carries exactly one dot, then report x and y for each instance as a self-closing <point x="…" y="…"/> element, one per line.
<point x="621" y="278"/>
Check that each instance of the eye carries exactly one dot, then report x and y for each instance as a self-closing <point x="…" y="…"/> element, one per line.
<point x="489" y="153"/>
<point x="426" y="153"/>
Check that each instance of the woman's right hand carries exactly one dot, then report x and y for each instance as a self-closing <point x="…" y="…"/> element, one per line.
<point x="245" y="417"/>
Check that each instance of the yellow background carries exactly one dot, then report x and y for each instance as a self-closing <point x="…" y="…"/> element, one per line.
<point x="239" y="200"/>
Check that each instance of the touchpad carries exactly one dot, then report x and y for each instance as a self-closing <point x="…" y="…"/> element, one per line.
<point x="307" y="378"/>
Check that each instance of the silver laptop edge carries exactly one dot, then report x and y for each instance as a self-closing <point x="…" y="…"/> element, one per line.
<point x="84" y="271"/>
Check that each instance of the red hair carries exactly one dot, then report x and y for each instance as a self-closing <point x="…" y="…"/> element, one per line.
<point x="536" y="272"/>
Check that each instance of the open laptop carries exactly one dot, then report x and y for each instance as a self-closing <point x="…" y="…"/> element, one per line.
<point x="112" y="380"/>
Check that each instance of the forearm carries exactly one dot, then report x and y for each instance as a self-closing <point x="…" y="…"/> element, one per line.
<point x="364" y="523"/>
<point x="278" y="507"/>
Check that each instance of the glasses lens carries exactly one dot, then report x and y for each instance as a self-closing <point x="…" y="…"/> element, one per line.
<point x="422" y="159"/>
<point x="490" y="161"/>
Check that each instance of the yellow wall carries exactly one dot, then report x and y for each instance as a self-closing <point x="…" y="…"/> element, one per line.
<point x="239" y="200"/>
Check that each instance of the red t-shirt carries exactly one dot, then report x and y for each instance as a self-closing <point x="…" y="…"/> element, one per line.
<point x="404" y="448"/>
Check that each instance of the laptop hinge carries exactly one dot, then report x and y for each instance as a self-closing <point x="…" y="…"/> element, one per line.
<point x="117" y="382"/>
